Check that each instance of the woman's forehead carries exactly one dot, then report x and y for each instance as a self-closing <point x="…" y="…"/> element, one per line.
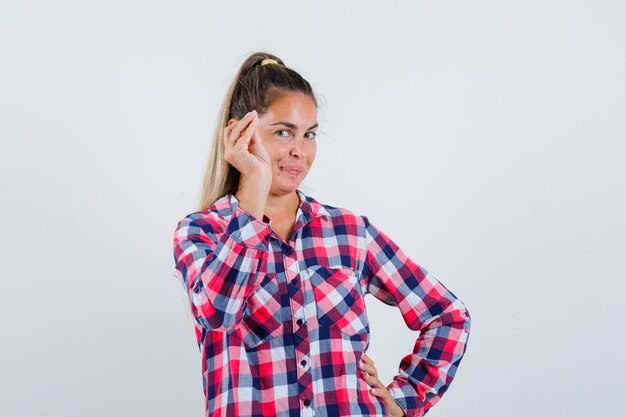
<point x="292" y="110"/>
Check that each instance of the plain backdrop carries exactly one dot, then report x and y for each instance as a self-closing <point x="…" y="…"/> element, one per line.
<point x="485" y="137"/>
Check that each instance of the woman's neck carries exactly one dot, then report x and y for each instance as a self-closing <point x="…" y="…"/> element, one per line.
<point x="282" y="207"/>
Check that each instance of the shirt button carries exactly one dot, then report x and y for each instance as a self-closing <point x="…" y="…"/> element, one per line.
<point x="299" y="322"/>
<point x="307" y="402"/>
<point x="268" y="237"/>
<point x="303" y="362"/>
<point x="294" y="282"/>
<point x="288" y="250"/>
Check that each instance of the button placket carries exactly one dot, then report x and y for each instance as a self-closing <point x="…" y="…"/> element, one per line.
<point x="287" y="250"/>
<point x="299" y="318"/>
<point x="300" y="331"/>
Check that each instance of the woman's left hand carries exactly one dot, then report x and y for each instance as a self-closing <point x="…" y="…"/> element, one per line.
<point x="370" y="375"/>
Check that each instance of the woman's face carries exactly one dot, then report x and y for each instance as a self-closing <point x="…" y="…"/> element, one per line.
<point x="288" y="131"/>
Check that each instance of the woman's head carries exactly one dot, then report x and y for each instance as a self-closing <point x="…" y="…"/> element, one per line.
<point x="261" y="81"/>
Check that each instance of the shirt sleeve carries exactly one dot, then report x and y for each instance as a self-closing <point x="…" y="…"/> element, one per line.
<point x="428" y="307"/>
<point x="218" y="263"/>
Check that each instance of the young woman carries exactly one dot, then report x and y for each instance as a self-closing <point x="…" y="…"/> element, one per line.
<point x="276" y="280"/>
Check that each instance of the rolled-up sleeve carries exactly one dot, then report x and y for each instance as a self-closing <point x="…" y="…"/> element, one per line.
<point x="427" y="307"/>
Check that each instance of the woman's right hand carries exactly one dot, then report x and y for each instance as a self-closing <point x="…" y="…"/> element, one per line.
<point x="243" y="149"/>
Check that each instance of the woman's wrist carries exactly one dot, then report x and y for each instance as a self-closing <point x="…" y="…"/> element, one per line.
<point x="252" y="196"/>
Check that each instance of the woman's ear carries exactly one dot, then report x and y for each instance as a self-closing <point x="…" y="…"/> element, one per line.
<point x="231" y="121"/>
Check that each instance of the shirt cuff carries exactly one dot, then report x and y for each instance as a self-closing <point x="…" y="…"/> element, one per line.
<point x="405" y="395"/>
<point x="248" y="230"/>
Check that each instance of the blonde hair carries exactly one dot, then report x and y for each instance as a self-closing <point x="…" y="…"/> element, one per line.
<point x="254" y="87"/>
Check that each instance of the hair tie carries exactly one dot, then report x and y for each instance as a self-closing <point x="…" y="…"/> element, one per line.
<point x="268" y="61"/>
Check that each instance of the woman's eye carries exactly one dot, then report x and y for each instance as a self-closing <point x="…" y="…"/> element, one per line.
<point x="286" y="134"/>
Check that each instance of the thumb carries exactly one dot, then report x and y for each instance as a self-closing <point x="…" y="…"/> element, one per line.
<point x="255" y="137"/>
<point x="257" y="148"/>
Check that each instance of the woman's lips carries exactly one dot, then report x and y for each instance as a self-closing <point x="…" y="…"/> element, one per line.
<point x="293" y="171"/>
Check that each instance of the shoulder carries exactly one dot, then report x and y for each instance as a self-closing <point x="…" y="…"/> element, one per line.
<point x="211" y="220"/>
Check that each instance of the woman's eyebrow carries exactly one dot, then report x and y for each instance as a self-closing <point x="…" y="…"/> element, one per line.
<point x="292" y="126"/>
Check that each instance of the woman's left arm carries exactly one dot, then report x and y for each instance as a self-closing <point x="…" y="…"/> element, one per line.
<point x="427" y="306"/>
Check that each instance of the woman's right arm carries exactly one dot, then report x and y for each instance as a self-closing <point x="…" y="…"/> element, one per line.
<point x="217" y="263"/>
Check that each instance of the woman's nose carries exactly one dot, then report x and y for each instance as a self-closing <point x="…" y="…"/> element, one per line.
<point x="297" y="147"/>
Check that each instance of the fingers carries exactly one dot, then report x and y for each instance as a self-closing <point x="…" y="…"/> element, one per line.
<point x="378" y="389"/>
<point x="237" y="128"/>
<point x="367" y="365"/>
<point x="370" y="375"/>
<point x="237" y="137"/>
<point x="246" y="135"/>
<point x="243" y="147"/>
<point x="367" y="359"/>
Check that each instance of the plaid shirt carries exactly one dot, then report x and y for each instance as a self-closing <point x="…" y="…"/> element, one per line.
<point x="282" y="325"/>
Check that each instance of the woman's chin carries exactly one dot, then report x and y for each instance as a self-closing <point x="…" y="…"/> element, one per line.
<point x="285" y="188"/>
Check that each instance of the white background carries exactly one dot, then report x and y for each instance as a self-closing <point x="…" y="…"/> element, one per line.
<point x="485" y="137"/>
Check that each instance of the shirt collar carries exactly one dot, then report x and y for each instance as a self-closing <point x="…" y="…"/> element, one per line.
<point x="309" y="207"/>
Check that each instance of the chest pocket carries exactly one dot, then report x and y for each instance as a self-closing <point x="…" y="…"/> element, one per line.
<point x="263" y="318"/>
<point x="339" y="299"/>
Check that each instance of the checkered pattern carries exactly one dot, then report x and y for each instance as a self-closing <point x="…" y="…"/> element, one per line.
<point x="281" y="326"/>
